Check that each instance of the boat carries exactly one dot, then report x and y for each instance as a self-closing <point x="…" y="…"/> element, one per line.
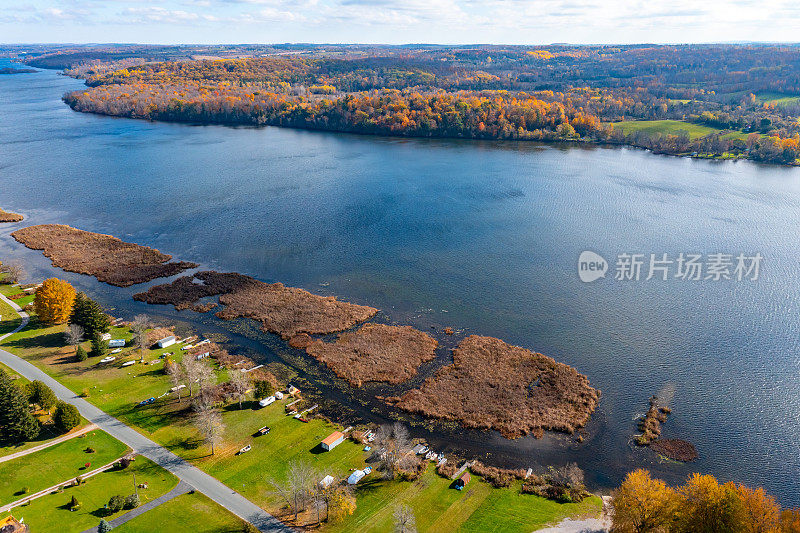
<point x="245" y="449"/>
<point x="129" y="363"/>
<point x="107" y="359"/>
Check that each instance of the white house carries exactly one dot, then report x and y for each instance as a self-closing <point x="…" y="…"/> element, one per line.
<point x="116" y="343"/>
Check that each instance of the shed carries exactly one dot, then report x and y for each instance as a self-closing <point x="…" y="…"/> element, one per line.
<point x="333" y="440"/>
<point x="116" y="343"/>
<point x="326" y="482"/>
<point x="462" y="481"/>
<point x="166" y="341"/>
<point x="355" y="477"/>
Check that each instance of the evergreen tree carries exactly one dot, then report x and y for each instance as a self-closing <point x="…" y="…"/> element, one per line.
<point x="103" y="527"/>
<point x="80" y="354"/>
<point x="17" y="424"/>
<point x="66" y="416"/>
<point x="41" y="395"/>
<point x="89" y="315"/>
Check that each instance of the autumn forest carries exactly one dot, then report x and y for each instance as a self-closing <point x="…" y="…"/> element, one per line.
<point x="716" y="101"/>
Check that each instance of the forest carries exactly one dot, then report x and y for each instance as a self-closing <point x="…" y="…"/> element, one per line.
<point x="747" y="97"/>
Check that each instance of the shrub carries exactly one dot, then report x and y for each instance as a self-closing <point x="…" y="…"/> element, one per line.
<point x="123" y="463"/>
<point x="66" y="416"/>
<point x="116" y="503"/>
<point x="263" y="388"/>
<point x="78" y="481"/>
<point x="74" y="504"/>
<point x="132" y="501"/>
<point x="41" y="395"/>
<point x="103" y="527"/>
<point x="80" y="354"/>
<point x="89" y="449"/>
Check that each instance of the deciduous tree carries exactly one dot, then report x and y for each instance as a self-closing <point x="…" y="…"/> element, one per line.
<point x="53" y="301"/>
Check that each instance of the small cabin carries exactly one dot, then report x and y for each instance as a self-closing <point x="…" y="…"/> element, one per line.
<point x="462" y="481"/>
<point x="166" y="341"/>
<point x="116" y="343"/>
<point x="332" y="441"/>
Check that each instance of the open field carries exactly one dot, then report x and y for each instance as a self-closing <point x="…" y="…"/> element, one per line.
<point x="204" y="515"/>
<point x="777" y="99"/>
<point x="50" y="513"/>
<point x="64" y="461"/>
<point x="673" y="127"/>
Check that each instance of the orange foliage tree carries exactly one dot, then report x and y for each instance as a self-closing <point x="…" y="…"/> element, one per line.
<point x="53" y="301"/>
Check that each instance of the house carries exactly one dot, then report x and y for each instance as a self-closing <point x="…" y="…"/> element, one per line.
<point x="166" y="341"/>
<point x="116" y="343"/>
<point x="462" y="481"/>
<point x="355" y="477"/>
<point x="10" y="524"/>
<point x="332" y="440"/>
<point x="326" y="482"/>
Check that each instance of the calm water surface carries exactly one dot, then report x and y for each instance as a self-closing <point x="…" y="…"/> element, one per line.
<point x="480" y="236"/>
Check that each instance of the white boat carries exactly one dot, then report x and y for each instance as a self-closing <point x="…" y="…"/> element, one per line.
<point x="116" y="350"/>
<point x="129" y="363"/>
<point x="245" y="449"/>
<point x="107" y="359"/>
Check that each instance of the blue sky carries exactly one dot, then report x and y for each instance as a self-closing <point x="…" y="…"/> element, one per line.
<point x="391" y="21"/>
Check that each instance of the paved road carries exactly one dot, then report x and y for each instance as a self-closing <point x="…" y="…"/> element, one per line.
<point x="182" y="488"/>
<point x="58" y="440"/>
<point x="211" y="487"/>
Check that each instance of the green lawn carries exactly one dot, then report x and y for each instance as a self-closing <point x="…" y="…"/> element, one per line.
<point x="665" y="126"/>
<point x="168" y="422"/>
<point x="9" y="319"/>
<point x="196" y="509"/>
<point x="777" y="98"/>
<point x="57" y="464"/>
<point x="49" y="514"/>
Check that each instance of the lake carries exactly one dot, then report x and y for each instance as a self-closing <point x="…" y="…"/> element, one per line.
<point x="480" y="236"/>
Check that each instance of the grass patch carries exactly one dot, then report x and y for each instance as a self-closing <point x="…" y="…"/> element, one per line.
<point x="203" y="514"/>
<point x="51" y="512"/>
<point x="671" y="127"/>
<point x="777" y="99"/>
<point x="57" y="464"/>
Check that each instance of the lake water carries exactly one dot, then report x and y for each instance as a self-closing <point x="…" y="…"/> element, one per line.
<point x="480" y="236"/>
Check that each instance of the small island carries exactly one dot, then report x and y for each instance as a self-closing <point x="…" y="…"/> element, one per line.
<point x="11" y="70"/>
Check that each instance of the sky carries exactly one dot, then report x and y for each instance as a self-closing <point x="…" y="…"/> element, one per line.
<point x="397" y="22"/>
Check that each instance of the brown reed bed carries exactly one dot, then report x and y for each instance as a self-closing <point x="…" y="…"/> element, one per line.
<point x="287" y="311"/>
<point x="494" y="385"/>
<point x="7" y="216"/>
<point x="675" y="449"/>
<point x="107" y="258"/>
<point x="376" y="352"/>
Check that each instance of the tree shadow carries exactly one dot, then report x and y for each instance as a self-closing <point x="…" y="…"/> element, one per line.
<point x="44" y="340"/>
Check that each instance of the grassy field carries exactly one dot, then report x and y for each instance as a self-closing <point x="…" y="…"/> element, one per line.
<point x="673" y="127"/>
<point x="204" y="515"/>
<point x="777" y="99"/>
<point x="168" y="422"/>
<point x="57" y="464"/>
<point x="50" y="514"/>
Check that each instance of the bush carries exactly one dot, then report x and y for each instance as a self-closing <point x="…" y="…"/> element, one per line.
<point x="41" y="395"/>
<point x="263" y="389"/>
<point x="74" y="504"/>
<point x="78" y="481"/>
<point x="89" y="449"/>
<point x="123" y="463"/>
<point x="80" y="354"/>
<point x="66" y="416"/>
<point x="103" y="527"/>
<point x="132" y="501"/>
<point x="116" y="504"/>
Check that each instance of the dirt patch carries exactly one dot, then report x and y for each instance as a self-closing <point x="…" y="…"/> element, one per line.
<point x="494" y="385"/>
<point x="376" y="352"/>
<point x="105" y="257"/>
<point x="287" y="311"/>
<point x="675" y="449"/>
<point x="6" y="216"/>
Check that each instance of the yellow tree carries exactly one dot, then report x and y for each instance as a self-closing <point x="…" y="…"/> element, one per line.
<point x="642" y="504"/>
<point x="53" y="301"/>
<point x="762" y="514"/>
<point x="705" y="506"/>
